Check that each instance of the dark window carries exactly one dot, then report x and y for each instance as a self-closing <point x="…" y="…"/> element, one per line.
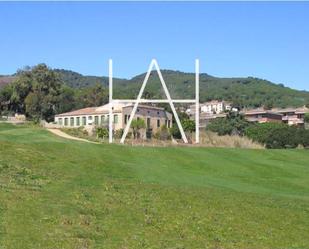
<point x="116" y="119"/>
<point x="125" y="119"/>
<point x="66" y="121"/>
<point x="158" y="123"/>
<point x="169" y="124"/>
<point x="166" y="122"/>
<point x="71" y="121"/>
<point x="90" y="117"/>
<point x="148" y="122"/>
<point x="137" y="110"/>
<point x="78" y="121"/>
<point x="96" y="120"/>
<point x="84" y="120"/>
<point x="158" y="113"/>
<point x="60" y="121"/>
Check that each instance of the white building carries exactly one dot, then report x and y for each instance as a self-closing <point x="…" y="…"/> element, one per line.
<point x="211" y="107"/>
<point x="154" y="117"/>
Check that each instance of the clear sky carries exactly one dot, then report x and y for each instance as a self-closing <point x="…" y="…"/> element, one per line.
<point x="269" y="40"/>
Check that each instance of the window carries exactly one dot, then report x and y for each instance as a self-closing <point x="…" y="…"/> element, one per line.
<point x="71" y="121"/>
<point x="66" y="122"/>
<point x="60" y="121"/>
<point x="169" y="124"/>
<point x="148" y="122"/>
<point x="84" y="120"/>
<point x="116" y="119"/>
<point x="102" y="119"/>
<point x="78" y="121"/>
<point x="89" y="117"/>
<point x="158" y="113"/>
<point x="137" y="110"/>
<point x="96" y="120"/>
<point x="158" y="123"/>
<point x="166" y="122"/>
<point x="125" y="119"/>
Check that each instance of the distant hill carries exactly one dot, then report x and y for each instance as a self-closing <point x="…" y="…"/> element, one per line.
<point x="4" y="80"/>
<point x="250" y="92"/>
<point x="244" y="92"/>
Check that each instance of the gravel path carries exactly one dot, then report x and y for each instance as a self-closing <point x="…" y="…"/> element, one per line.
<point x="67" y="136"/>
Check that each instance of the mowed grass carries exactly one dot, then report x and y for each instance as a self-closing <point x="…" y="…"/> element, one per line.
<point x="57" y="193"/>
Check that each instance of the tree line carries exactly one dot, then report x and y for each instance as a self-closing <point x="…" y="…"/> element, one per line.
<point x="40" y="93"/>
<point x="271" y="135"/>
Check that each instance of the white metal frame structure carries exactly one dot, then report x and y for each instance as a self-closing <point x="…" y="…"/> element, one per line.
<point x="153" y="64"/>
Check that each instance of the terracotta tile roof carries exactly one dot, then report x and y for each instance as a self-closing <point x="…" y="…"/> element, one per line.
<point x="84" y="111"/>
<point x="4" y="80"/>
<point x="145" y="106"/>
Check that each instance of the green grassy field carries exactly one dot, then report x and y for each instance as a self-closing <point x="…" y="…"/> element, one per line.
<point x="57" y="193"/>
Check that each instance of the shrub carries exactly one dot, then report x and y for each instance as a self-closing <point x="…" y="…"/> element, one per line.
<point x="102" y="132"/>
<point x="175" y="132"/>
<point x="232" y="124"/>
<point x="162" y="134"/>
<point x="118" y="133"/>
<point x="276" y="135"/>
<point x="303" y="136"/>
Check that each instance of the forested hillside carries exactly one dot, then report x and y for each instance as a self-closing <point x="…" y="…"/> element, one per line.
<point x="243" y="92"/>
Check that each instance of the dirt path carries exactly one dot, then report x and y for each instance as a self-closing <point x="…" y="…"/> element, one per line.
<point x="67" y="136"/>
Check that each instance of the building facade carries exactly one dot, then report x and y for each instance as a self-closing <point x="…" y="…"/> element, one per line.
<point x="290" y="116"/>
<point x="262" y="116"/>
<point x="154" y="117"/>
<point x="211" y="107"/>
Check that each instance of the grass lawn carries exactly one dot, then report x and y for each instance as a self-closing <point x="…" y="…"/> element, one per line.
<point x="57" y="193"/>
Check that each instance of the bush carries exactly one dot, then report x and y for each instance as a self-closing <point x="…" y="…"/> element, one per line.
<point x="118" y="133"/>
<point x="233" y="124"/>
<point x="303" y="136"/>
<point x="175" y="132"/>
<point x="278" y="135"/>
<point x="102" y="132"/>
<point x="162" y="134"/>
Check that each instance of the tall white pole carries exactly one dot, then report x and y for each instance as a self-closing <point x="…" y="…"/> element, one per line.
<point x="110" y="87"/>
<point x="197" y="101"/>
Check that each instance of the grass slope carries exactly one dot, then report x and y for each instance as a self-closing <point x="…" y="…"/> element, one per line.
<point x="57" y="193"/>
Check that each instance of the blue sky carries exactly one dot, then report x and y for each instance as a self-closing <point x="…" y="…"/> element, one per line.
<point x="269" y="40"/>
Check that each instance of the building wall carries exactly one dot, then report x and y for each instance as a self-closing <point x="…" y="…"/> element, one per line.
<point x="93" y="119"/>
<point x="157" y="118"/>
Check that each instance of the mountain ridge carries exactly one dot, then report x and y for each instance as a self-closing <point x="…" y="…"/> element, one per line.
<point x="242" y="91"/>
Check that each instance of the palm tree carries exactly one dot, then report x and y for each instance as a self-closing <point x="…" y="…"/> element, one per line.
<point x="136" y="125"/>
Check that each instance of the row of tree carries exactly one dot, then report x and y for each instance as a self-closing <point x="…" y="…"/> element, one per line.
<point x="39" y="93"/>
<point x="272" y="135"/>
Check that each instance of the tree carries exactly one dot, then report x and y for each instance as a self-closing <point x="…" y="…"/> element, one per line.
<point x="102" y="132"/>
<point x="136" y="125"/>
<point x="188" y="125"/>
<point x="276" y="135"/>
<point x="232" y="124"/>
<point x="93" y="96"/>
<point x="66" y="100"/>
<point x="32" y="102"/>
<point x="45" y="93"/>
<point x="5" y="96"/>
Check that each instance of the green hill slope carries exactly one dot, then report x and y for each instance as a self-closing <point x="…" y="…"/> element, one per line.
<point x="57" y="193"/>
<point x="250" y="92"/>
<point x="243" y="92"/>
